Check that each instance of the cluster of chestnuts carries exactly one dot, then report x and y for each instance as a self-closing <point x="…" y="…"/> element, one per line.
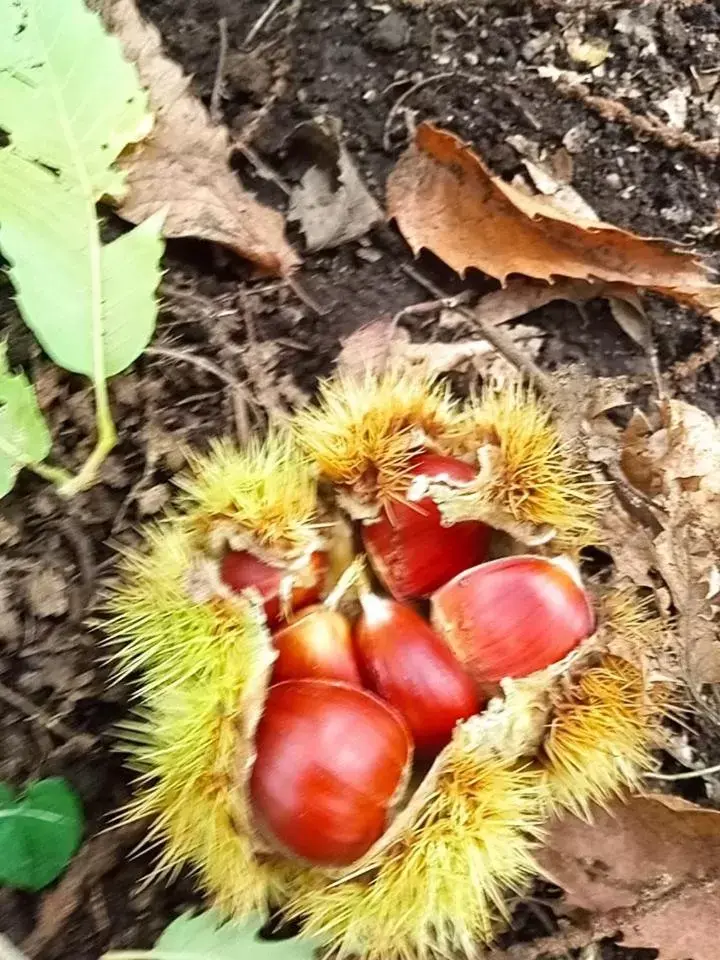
<point x="369" y="669"/>
<point x="351" y="703"/>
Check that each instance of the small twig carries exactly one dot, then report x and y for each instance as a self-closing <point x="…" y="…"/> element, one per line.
<point x="263" y="168"/>
<point x="26" y="707"/>
<point x="96" y="858"/>
<point x="217" y="90"/>
<point x="242" y="420"/>
<point x="132" y="493"/>
<point x="86" y="565"/>
<point x="261" y="21"/>
<point x="615" y="112"/>
<point x="202" y="363"/>
<point x="684" y="776"/>
<point x="302" y="294"/>
<point x="691" y="365"/>
<point x="432" y="306"/>
<point x="240" y="397"/>
<point x="395" y="108"/>
<point x="502" y="342"/>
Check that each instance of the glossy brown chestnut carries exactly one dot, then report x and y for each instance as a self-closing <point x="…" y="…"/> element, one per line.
<point x="317" y="642"/>
<point x="405" y="662"/>
<point x="331" y="762"/>
<point x="511" y="617"/>
<point x="410" y="549"/>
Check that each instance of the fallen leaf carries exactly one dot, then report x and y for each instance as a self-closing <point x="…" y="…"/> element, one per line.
<point x="649" y="868"/>
<point x="661" y="523"/>
<point x="332" y="203"/>
<point x="635" y="852"/>
<point x="630" y="316"/>
<point x="370" y="348"/>
<point x="478" y="356"/>
<point x="182" y="168"/>
<point x="684" y="927"/>
<point x="564" y="196"/>
<point x="676" y="458"/>
<point x="374" y="344"/>
<point x="675" y="106"/>
<point x="445" y="199"/>
<point x="591" y="52"/>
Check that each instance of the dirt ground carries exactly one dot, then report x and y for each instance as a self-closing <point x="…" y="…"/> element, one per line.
<point x="352" y="60"/>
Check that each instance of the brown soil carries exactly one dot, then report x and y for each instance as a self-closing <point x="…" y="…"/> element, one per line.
<point x="343" y="58"/>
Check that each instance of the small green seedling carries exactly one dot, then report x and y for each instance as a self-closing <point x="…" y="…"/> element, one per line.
<point x="69" y="105"/>
<point x="206" y="935"/>
<point x="40" y="830"/>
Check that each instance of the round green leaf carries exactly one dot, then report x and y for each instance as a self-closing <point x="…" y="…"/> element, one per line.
<point x="39" y="832"/>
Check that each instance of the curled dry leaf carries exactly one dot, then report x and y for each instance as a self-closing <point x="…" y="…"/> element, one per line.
<point x="675" y="459"/>
<point x="662" y="521"/>
<point x="374" y="344"/>
<point x="332" y="203"/>
<point x="564" y="196"/>
<point x="183" y="167"/>
<point x="445" y="199"/>
<point x="655" y="860"/>
<point x="468" y="356"/>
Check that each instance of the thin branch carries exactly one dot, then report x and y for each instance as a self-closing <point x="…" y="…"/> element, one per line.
<point x="84" y="554"/>
<point x="217" y="90"/>
<point x="684" y="776"/>
<point x="432" y="306"/>
<point x="261" y="21"/>
<point x="501" y="340"/>
<point x="185" y="356"/>
<point x="26" y="707"/>
<point x="240" y="396"/>
<point x="395" y="108"/>
<point x="302" y="294"/>
<point x="614" y="111"/>
<point x="263" y="169"/>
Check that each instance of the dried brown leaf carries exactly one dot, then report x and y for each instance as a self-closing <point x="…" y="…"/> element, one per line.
<point x="478" y="356"/>
<point x="374" y="344"/>
<point x="636" y="852"/>
<point x="446" y="200"/>
<point x="683" y="927"/>
<point x="662" y="519"/>
<point x="331" y="202"/>
<point x="182" y="167"/>
<point x="675" y="458"/>
<point x="563" y="195"/>
<point x="370" y="348"/>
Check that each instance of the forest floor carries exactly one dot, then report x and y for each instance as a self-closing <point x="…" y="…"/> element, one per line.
<point x="488" y="70"/>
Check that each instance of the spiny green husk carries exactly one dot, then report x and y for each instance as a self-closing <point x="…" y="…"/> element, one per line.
<point x="442" y="887"/>
<point x="363" y="432"/>
<point x="530" y="480"/>
<point x="158" y="633"/>
<point x="201" y="672"/>
<point x="601" y="737"/>
<point x="267" y="491"/>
